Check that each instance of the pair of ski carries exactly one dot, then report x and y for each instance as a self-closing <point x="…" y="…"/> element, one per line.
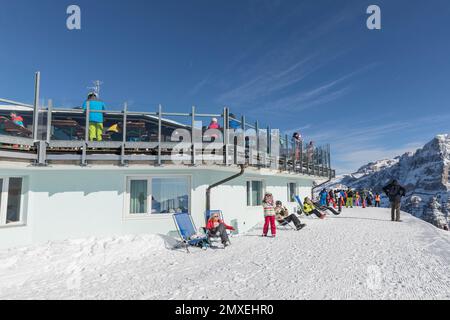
<point x="318" y="206"/>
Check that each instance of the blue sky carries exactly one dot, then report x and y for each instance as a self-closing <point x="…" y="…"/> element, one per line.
<point x="308" y="66"/>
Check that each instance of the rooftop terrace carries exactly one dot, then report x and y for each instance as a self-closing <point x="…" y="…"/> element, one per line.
<point x="53" y="135"/>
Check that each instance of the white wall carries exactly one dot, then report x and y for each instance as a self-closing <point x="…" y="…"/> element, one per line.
<point x="72" y="202"/>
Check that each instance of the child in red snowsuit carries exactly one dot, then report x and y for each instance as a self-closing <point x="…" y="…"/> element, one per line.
<point x="269" y="215"/>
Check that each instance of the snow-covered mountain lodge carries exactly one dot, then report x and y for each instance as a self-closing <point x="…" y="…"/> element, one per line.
<point x="56" y="184"/>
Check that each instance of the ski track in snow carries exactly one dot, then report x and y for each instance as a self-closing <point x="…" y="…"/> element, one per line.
<point x="358" y="255"/>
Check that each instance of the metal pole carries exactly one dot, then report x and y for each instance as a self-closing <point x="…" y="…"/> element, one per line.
<point x="86" y="134"/>
<point x="268" y="152"/>
<point x="286" y="156"/>
<point x="301" y="155"/>
<point x="226" y="127"/>
<point x="159" y="133"/>
<point x="194" y="160"/>
<point x="124" y="134"/>
<point x="37" y="87"/>
<point x="258" y="144"/>
<point x="49" y="120"/>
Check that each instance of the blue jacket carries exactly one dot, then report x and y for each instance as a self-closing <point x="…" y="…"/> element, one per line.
<point x="234" y="124"/>
<point x="96" y="117"/>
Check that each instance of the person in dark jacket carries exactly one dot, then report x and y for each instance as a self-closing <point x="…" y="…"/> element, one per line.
<point x="394" y="191"/>
<point x="349" y="202"/>
<point x="282" y="216"/>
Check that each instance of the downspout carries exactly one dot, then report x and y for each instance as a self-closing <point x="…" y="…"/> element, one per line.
<point x="208" y="191"/>
<point x="319" y="185"/>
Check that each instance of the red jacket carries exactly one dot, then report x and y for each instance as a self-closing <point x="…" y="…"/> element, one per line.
<point x="210" y="225"/>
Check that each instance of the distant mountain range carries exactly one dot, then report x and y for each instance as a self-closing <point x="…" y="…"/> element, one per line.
<point x="424" y="174"/>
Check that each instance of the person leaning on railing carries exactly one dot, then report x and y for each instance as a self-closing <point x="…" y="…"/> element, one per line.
<point x="95" y="118"/>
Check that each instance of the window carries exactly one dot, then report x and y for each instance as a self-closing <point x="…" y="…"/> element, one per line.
<point x="254" y="193"/>
<point x="10" y="201"/>
<point x="292" y="191"/>
<point x="158" y="195"/>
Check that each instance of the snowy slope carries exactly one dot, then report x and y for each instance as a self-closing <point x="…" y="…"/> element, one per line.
<point x="423" y="173"/>
<point x="358" y="255"/>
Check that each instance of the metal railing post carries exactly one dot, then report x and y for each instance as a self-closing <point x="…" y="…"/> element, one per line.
<point x="37" y="88"/>
<point x="300" y="151"/>
<point x="124" y="134"/>
<point x="49" y="120"/>
<point x="286" y="156"/>
<point x="86" y="134"/>
<point x="159" y="134"/>
<point x="258" y="144"/>
<point x="194" y="158"/>
<point x="226" y="136"/>
<point x="268" y="151"/>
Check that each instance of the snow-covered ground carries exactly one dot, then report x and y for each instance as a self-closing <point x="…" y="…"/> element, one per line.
<point x="358" y="255"/>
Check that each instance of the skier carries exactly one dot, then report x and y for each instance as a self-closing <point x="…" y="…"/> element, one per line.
<point x="394" y="191"/>
<point x="357" y="198"/>
<point x="323" y="197"/>
<point x="377" y="200"/>
<point x="269" y="215"/>
<point x="349" y="202"/>
<point x="331" y="199"/>
<point x="282" y="216"/>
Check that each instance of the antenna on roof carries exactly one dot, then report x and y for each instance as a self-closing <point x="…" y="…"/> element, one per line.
<point x="96" y="87"/>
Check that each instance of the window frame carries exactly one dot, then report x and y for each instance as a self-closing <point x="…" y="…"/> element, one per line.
<point x="263" y="190"/>
<point x="289" y="191"/>
<point x="149" y="177"/>
<point x="4" y="202"/>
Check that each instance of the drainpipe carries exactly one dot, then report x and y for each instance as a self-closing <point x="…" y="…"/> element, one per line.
<point x="319" y="185"/>
<point x="208" y="191"/>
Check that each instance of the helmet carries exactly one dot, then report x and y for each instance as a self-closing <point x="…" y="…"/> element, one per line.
<point x="92" y="95"/>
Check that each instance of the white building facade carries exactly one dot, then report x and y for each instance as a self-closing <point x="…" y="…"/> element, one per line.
<point x="58" y="202"/>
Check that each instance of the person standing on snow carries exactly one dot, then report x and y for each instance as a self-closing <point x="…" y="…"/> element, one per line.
<point x="377" y="200"/>
<point x="357" y="198"/>
<point x="269" y="215"/>
<point x="394" y="191"/>
<point x="349" y="202"/>
<point x="323" y="197"/>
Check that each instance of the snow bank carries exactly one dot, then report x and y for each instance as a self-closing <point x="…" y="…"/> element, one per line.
<point x="358" y="255"/>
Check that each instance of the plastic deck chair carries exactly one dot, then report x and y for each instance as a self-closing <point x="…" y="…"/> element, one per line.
<point x="208" y="215"/>
<point x="285" y="224"/>
<point x="186" y="229"/>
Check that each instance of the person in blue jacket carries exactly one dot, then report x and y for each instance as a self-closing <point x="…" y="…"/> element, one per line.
<point x="323" y="197"/>
<point x="95" y="118"/>
<point x="233" y="123"/>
